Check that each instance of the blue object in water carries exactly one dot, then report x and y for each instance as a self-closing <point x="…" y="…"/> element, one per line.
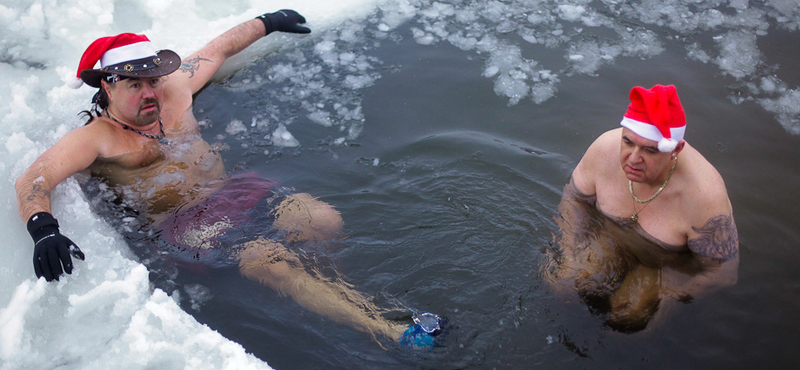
<point x="421" y="334"/>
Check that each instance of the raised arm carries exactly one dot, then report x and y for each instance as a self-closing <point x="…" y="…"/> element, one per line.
<point x="73" y="153"/>
<point x="198" y="68"/>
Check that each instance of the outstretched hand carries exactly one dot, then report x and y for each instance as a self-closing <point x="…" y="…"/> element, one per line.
<point x="51" y="249"/>
<point x="285" y="20"/>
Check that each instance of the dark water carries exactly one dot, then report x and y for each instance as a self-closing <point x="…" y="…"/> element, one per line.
<point x="458" y="211"/>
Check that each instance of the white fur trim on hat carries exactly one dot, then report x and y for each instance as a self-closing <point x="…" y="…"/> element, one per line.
<point x="650" y="132"/>
<point x="126" y="53"/>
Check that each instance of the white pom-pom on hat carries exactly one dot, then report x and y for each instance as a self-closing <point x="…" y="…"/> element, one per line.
<point x="75" y="83"/>
<point x="667" y="145"/>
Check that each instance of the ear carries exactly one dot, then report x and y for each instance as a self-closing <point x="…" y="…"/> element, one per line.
<point x="679" y="147"/>
<point x="109" y="90"/>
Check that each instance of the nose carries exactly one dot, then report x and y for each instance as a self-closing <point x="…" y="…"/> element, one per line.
<point x="148" y="91"/>
<point x="636" y="155"/>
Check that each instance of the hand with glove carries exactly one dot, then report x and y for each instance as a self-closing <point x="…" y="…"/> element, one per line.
<point x="51" y="249"/>
<point x="284" y="21"/>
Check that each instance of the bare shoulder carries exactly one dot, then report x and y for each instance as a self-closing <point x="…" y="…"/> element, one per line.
<point x="713" y="230"/>
<point x="88" y="135"/>
<point x="98" y="137"/>
<point x="195" y="72"/>
<point x="595" y="164"/>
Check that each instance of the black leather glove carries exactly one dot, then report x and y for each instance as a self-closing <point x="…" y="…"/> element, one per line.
<point x="51" y="249"/>
<point x="284" y="21"/>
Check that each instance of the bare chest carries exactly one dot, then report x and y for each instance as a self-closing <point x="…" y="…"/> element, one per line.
<point x="163" y="174"/>
<point x="661" y="218"/>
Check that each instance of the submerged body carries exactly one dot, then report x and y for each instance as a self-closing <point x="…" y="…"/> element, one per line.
<point x="163" y="176"/>
<point x="627" y="256"/>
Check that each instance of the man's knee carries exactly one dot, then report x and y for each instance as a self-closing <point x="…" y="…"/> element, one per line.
<point x="308" y="218"/>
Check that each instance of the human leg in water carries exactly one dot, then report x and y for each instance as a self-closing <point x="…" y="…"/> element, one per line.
<point x="271" y="264"/>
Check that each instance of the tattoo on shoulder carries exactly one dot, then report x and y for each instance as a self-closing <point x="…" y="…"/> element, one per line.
<point x="191" y="65"/>
<point x="718" y="238"/>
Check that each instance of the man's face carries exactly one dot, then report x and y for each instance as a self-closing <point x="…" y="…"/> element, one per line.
<point x="640" y="158"/>
<point x="136" y="101"/>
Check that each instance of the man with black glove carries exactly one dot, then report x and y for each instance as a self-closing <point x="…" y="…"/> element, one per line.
<point x="143" y="140"/>
<point x="136" y="61"/>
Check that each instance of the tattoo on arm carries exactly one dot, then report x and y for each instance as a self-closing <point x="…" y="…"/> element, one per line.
<point x="718" y="238"/>
<point x="191" y="65"/>
<point x="38" y="192"/>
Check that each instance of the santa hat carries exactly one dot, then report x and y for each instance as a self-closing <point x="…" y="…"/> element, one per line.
<point x="656" y="114"/>
<point x="126" y="54"/>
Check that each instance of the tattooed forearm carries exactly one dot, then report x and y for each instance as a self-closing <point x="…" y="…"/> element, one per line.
<point x="191" y="65"/>
<point x="718" y="238"/>
<point x="38" y="192"/>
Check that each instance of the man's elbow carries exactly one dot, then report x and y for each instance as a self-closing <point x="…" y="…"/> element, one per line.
<point x="23" y="182"/>
<point x="727" y="274"/>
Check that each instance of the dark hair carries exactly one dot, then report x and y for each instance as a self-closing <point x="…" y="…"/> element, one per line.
<point x="99" y="104"/>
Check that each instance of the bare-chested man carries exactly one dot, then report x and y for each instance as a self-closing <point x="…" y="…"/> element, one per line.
<point x="646" y="218"/>
<point x="144" y="141"/>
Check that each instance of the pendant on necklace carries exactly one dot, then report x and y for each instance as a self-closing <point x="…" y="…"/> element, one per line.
<point x="635" y="218"/>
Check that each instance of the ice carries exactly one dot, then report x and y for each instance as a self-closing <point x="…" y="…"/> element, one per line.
<point x="106" y="307"/>
<point x="739" y="54"/>
<point x="571" y="12"/>
<point x="105" y="315"/>
<point x="235" y="127"/>
<point x="283" y="138"/>
<point x="198" y="294"/>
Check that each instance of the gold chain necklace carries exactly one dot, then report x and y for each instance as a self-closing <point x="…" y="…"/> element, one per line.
<point x="635" y="216"/>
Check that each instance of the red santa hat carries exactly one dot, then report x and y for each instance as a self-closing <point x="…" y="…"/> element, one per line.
<point x="656" y="114"/>
<point x="128" y="55"/>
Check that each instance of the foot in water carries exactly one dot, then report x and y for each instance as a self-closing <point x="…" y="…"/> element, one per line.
<point x="427" y="331"/>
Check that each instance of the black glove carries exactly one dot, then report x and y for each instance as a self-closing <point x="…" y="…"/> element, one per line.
<point x="285" y="21"/>
<point x="51" y="249"/>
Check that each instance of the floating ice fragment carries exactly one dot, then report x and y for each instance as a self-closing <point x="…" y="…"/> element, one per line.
<point x="506" y="27"/>
<point x="542" y="92"/>
<point x="324" y="46"/>
<point x="358" y="82"/>
<point x="235" y="127"/>
<point x="571" y="12"/>
<point x="321" y="117"/>
<point x="198" y="294"/>
<point x="283" y="138"/>
<point x="537" y="18"/>
<point x="530" y="38"/>
<point x="739" y="54"/>
<point x="510" y="87"/>
<point x="768" y="85"/>
<point x="347" y="58"/>
<point x="421" y="37"/>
